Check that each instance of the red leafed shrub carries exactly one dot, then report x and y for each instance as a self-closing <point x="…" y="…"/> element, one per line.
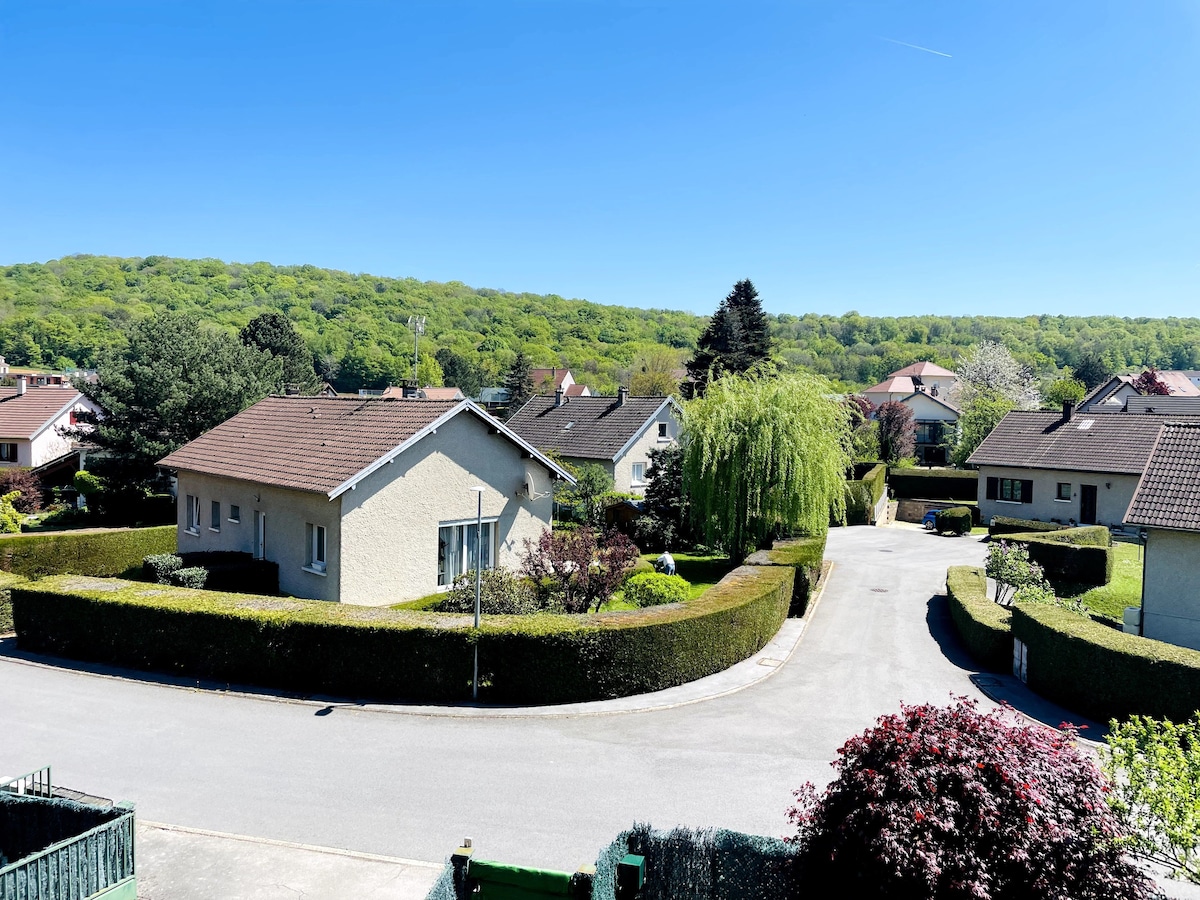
<point x="27" y="483"/>
<point x="578" y="570"/>
<point x="942" y="803"/>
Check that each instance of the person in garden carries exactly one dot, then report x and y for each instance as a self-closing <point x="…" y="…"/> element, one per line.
<point x="665" y="563"/>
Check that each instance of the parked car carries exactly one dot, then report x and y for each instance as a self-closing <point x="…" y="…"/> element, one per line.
<point x="930" y="520"/>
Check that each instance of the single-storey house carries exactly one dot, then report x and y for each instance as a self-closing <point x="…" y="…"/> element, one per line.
<point x="1064" y="467"/>
<point x="1167" y="507"/>
<point x="358" y="500"/>
<point x="616" y="433"/>
<point x="32" y="422"/>
<point x="1114" y="395"/>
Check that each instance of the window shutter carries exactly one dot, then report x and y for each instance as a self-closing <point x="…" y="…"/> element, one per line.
<point x="1026" y="491"/>
<point x="993" y="488"/>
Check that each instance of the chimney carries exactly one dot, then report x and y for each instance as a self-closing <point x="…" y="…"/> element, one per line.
<point x="22" y="385"/>
<point x="291" y="390"/>
<point x="558" y="397"/>
<point x="622" y="395"/>
<point x="410" y="391"/>
<point x="1068" y="410"/>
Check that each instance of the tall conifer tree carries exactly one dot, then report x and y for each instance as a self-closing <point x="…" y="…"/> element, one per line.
<point x="735" y="340"/>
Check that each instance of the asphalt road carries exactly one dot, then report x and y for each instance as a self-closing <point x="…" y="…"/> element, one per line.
<point x="537" y="791"/>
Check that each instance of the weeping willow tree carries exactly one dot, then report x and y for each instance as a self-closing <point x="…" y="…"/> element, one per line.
<point x="765" y="455"/>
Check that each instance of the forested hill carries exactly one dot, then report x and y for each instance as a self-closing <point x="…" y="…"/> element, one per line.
<point x="63" y="313"/>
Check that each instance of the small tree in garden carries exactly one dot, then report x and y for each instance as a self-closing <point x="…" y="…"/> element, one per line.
<point x="591" y="484"/>
<point x="1149" y="383"/>
<point x="864" y="431"/>
<point x="1010" y="566"/>
<point x="897" y="431"/>
<point x="25" y="482"/>
<point x="1154" y="767"/>
<point x="943" y="803"/>
<point x="664" y="522"/>
<point x="578" y="570"/>
<point x="10" y="519"/>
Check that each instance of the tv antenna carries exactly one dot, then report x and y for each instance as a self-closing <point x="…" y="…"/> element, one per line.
<point x="417" y="324"/>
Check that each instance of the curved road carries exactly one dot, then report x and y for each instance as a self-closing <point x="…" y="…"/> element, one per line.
<point x="541" y="791"/>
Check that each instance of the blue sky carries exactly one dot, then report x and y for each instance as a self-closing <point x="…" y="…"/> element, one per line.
<point x="643" y="153"/>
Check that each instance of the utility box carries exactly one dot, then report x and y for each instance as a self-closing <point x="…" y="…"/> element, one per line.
<point x="1131" y="621"/>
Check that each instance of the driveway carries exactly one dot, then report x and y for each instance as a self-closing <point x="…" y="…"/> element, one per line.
<point x="539" y="791"/>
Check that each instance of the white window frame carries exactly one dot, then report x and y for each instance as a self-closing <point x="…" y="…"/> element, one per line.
<point x="636" y="480"/>
<point x="663" y="432"/>
<point x="192" y="521"/>
<point x="452" y="560"/>
<point x="317" y="554"/>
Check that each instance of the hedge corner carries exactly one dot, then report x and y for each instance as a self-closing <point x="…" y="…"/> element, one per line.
<point x="983" y="624"/>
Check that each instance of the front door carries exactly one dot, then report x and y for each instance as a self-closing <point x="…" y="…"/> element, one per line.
<point x="260" y="535"/>
<point x="1087" y="504"/>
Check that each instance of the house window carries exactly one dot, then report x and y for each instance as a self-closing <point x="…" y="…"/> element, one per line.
<point x="639" y="474"/>
<point x="214" y="521"/>
<point x="314" y="559"/>
<point x="235" y="513"/>
<point x="8" y="452"/>
<point x="193" y="514"/>
<point x="456" y="549"/>
<point x="1012" y="490"/>
<point x="929" y="432"/>
<point x="75" y="416"/>
<point x="1064" y="491"/>
<point x="662" y="432"/>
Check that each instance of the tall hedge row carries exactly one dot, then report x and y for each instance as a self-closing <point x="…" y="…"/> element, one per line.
<point x="983" y="624"/>
<point x="933" y="484"/>
<point x="313" y="647"/>
<point x="112" y="551"/>
<point x="6" y="618"/>
<point x="804" y="555"/>
<point x="1104" y="673"/>
<point x="1083" y="555"/>
<point x="863" y="492"/>
<point x="1009" y="525"/>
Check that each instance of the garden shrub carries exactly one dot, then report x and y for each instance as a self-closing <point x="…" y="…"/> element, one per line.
<point x="864" y="491"/>
<point x="1104" y="673"/>
<point x="936" y="803"/>
<point x="1009" y="525"/>
<point x="29" y="486"/>
<point x="10" y="517"/>
<point x="237" y="571"/>
<point x="577" y="571"/>
<point x="805" y="555"/>
<point x="368" y="652"/>
<point x="6" y="616"/>
<point x="191" y="577"/>
<point x="955" y="520"/>
<point x="933" y="484"/>
<point x="159" y="567"/>
<point x="983" y="624"/>
<point x="1010" y="566"/>
<point x="655" y="589"/>
<point x="501" y="592"/>
<point x="100" y="553"/>
<point x="1082" y="555"/>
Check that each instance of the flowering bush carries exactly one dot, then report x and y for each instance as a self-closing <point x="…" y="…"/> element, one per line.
<point x="1009" y="564"/>
<point x="941" y="803"/>
<point x="577" y="571"/>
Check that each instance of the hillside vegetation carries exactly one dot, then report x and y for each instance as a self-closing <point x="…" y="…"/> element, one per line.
<point x="64" y="313"/>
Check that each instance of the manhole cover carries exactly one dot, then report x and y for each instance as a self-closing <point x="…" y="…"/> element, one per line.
<point x="879" y="590"/>
<point x="772" y="663"/>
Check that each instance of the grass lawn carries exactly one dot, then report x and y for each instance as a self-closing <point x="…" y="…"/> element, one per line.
<point x="1124" y="590"/>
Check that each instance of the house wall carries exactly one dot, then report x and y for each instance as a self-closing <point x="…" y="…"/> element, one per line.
<point x="1171" y="600"/>
<point x="1111" y="501"/>
<point x="639" y="451"/>
<point x="389" y="535"/>
<point x="287" y="513"/>
<point x="50" y="444"/>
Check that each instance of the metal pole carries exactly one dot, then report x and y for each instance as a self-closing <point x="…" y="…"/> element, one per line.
<point x="416" y="347"/>
<point x="478" y="583"/>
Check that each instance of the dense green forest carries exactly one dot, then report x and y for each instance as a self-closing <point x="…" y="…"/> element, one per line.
<point x="65" y="313"/>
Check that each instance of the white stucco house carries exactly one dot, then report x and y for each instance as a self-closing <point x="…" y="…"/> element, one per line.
<point x="33" y="421"/>
<point x="364" y="501"/>
<point x="1167" y="507"/>
<point x="1066" y="467"/>
<point x="928" y="390"/>
<point x="616" y="433"/>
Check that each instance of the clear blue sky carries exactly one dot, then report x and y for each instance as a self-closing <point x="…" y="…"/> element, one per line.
<point x="644" y="153"/>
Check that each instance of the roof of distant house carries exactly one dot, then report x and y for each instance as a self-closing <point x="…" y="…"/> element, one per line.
<point x="586" y="427"/>
<point x="1168" y="495"/>
<point x="896" y="384"/>
<point x="538" y="376"/>
<point x="441" y="393"/>
<point x="25" y="416"/>
<point x="323" y="444"/>
<point x="1178" y="382"/>
<point x="1120" y="444"/>
<point x="923" y="370"/>
<point x="578" y="390"/>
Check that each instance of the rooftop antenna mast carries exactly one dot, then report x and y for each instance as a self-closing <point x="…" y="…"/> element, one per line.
<point x="417" y="324"/>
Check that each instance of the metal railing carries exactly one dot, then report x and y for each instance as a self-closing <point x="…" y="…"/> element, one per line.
<point x="33" y="784"/>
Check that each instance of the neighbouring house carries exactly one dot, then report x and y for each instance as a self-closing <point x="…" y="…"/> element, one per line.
<point x="1167" y="507"/>
<point x="547" y="381"/>
<point x="616" y="433"/>
<point x="494" y="398"/>
<point x="408" y="392"/>
<point x="919" y="378"/>
<point x="32" y="422"/>
<point x="928" y="390"/>
<point x="365" y="501"/>
<point x="1115" y="394"/>
<point x="1066" y="467"/>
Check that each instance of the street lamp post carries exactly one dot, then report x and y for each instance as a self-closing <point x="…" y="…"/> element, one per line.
<point x="478" y="582"/>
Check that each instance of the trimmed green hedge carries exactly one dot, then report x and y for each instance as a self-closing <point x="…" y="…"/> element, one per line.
<point x="1104" y="673"/>
<point x="312" y="647"/>
<point x="933" y="484"/>
<point x="864" y="492"/>
<point x="805" y="555"/>
<point x="983" y="624"/>
<point x="956" y="520"/>
<point x="114" y="551"/>
<point x="6" y="617"/>
<point x="1082" y="555"/>
<point x="1009" y="525"/>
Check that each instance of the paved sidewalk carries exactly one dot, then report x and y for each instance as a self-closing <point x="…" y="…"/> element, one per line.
<point x="191" y="864"/>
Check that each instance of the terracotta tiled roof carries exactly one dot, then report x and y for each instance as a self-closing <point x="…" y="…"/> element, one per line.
<point x="1168" y="495"/>
<point x="306" y="443"/>
<point x="893" y="385"/>
<point x="23" y="416"/>
<point x="578" y="390"/>
<point x="441" y="393"/>
<point x="1179" y="384"/>
<point x="924" y="370"/>
<point x="556" y="375"/>
<point x="584" y="427"/>
<point x="1109" y="442"/>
